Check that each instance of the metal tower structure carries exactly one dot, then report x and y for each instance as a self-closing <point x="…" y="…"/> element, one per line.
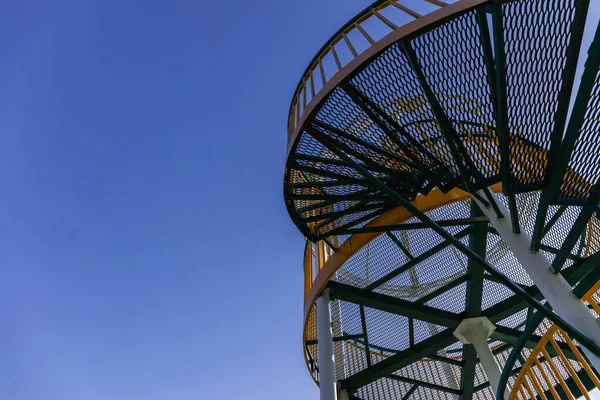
<point x="444" y="168"/>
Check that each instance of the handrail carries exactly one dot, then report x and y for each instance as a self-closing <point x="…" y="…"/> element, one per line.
<point x="306" y="85"/>
<point x="530" y="328"/>
<point x="548" y="375"/>
<point x="586" y="289"/>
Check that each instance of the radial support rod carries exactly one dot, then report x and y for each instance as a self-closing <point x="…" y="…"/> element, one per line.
<point x="554" y="287"/>
<point x="556" y="172"/>
<point x="327" y="384"/>
<point x="476" y="331"/>
<point x="338" y="345"/>
<point x="339" y="148"/>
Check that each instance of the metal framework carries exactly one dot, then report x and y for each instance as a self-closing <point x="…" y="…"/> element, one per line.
<point x="405" y="156"/>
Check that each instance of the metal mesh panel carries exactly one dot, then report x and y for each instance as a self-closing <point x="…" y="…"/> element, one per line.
<point x="427" y="276"/>
<point x="390" y="82"/>
<point x="559" y="231"/>
<point x="451" y="57"/>
<point x="378" y="258"/>
<point x="384" y="388"/>
<point x="350" y="316"/>
<point x="534" y="67"/>
<point x="504" y="260"/>
<point x="433" y="372"/>
<point x="452" y="300"/>
<point x="424" y="330"/>
<point x="330" y="170"/>
<point x="387" y="331"/>
<point x="382" y="256"/>
<point x="515" y="321"/>
<point x="494" y="293"/>
<point x="583" y="165"/>
<point x="360" y="133"/>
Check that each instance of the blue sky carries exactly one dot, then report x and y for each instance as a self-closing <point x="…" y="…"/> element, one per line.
<point x="146" y="251"/>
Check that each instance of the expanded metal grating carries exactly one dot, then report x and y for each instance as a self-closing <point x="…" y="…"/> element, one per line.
<point x="479" y="98"/>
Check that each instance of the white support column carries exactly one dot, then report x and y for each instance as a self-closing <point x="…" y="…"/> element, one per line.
<point x="315" y="261"/>
<point x="476" y="331"/>
<point x="327" y="383"/>
<point x="338" y="347"/>
<point x="554" y="287"/>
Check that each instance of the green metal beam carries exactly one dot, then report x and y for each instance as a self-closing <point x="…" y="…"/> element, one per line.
<point x="398" y="361"/>
<point x="525" y="337"/>
<point x="362" y="206"/>
<point x="592" y="263"/>
<point x="316" y="184"/>
<point x="393" y="305"/>
<point x="339" y="163"/>
<point x="554" y="175"/>
<point x="572" y="237"/>
<point x="459" y="153"/>
<point x="416" y="260"/>
<point x="355" y="139"/>
<point x="544" y="247"/>
<point x="399" y="177"/>
<point x="502" y="123"/>
<point x="416" y="225"/>
<point x="340" y="197"/>
<point x="315" y="206"/>
<point x="553" y="220"/>
<point x="450" y="285"/>
<point x="386" y="124"/>
<point x="410" y="392"/>
<point x="336" y="339"/>
<point x="400" y="245"/>
<point x="365" y="217"/>
<point x="514" y="214"/>
<point x="424" y="384"/>
<point x="491" y="278"/>
<point x="477" y="242"/>
<point x="484" y="385"/>
<point x="363" y="323"/>
<point x="515" y="303"/>
<point x="467" y="374"/>
<point x="338" y="149"/>
<point x="328" y="174"/>
<point x="446" y="360"/>
<point x="513" y="337"/>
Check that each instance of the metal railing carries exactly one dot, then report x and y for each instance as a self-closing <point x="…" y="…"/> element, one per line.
<point x="544" y="375"/>
<point x="345" y="40"/>
<point x="315" y="256"/>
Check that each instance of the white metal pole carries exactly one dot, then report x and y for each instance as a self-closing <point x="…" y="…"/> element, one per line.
<point x="476" y="331"/>
<point x="489" y="364"/>
<point x="338" y="347"/>
<point x="325" y="340"/>
<point x="554" y="287"/>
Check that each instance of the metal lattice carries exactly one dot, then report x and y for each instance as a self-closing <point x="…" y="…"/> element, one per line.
<point x="391" y="147"/>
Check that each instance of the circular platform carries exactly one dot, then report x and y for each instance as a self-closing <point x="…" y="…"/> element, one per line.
<point x="471" y="98"/>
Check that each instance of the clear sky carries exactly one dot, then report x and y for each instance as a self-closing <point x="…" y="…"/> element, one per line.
<point x="145" y="249"/>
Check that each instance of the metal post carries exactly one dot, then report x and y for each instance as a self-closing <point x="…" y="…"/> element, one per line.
<point x="338" y="330"/>
<point x="326" y="364"/>
<point x="476" y="331"/>
<point x="315" y="261"/>
<point x="554" y="287"/>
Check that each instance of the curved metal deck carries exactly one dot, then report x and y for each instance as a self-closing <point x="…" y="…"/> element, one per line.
<point x="388" y="144"/>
